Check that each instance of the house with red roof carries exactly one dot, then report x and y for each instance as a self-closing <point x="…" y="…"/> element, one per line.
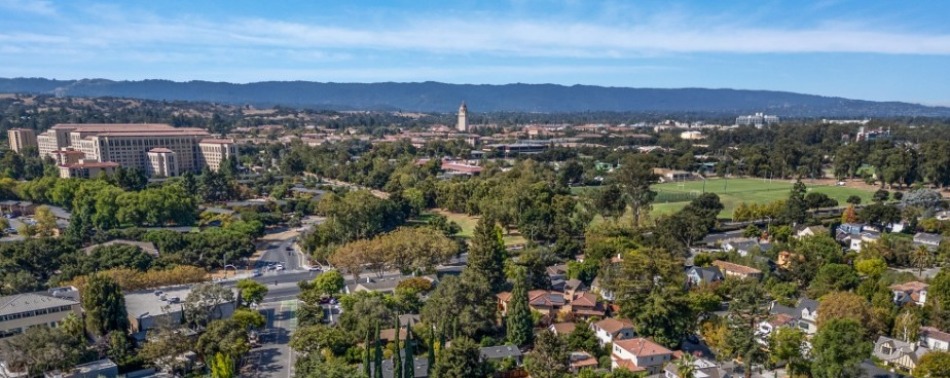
<point x="640" y="355"/>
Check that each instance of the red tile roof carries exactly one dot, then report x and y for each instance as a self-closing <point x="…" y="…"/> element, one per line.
<point x="642" y="347"/>
<point x="613" y="325"/>
<point x="741" y="269"/>
<point x="934" y="333"/>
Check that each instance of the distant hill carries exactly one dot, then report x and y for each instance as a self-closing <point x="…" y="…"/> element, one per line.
<point x="441" y="97"/>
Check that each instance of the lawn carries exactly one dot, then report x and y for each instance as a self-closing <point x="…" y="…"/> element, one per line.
<point x="468" y="222"/>
<point x="673" y="196"/>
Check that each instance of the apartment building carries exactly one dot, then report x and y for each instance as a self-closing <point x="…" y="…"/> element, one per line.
<point x="22" y="311"/>
<point x="132" y="146"/>
<point x="21" y="138"/>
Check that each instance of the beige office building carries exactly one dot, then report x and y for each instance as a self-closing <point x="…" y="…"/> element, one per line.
<point x="67" y="156"/>
<point x="163" y="162"/>
<point x="87" y="169"/>
<point x="214" y="151"/>
<point x="21" y="138"/>
<point x="129" y="145"/>
<point x="22" y="311"/>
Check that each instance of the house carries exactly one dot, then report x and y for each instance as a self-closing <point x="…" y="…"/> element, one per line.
<point x="17" y="208"/>
<point x="811" y="231"/>
<point x="698" y="276"/>
<point x="558" y="275"/>
<point x="670" y="175"/>
<point x="898" y="353"/>
<point x="585" y="305"/>
<point x="934" y="339"/>
<point x="382" y="284"/>
<point x="639" y="355"/>
<point x="703" y="368"/>
<point x="597" y="287"/>
<point x="562" y="329"/>
<point x="771" y="324"/>
<point x="613" y="329"/>
<point x="729" y="269"/>
<point x="420" y="367"/>
<point x="785" y="259"/>
<point x="21" y="311"/>
<point x="543" y="301"/>
<point x="850" y="228"/>
<point x="913" y="291"/>
<point x="582" y="360"/>
<point x="572" y="287"/>
<point x="104" y="368"/>
<point x="930" y="241"/>
<point x="501" y="352"/>
<point x="804" y="314"/>
<point x="857" y="241"/>
<point x="745" y="246"/>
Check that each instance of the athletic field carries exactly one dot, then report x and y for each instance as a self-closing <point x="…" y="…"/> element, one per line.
<point x="674" y="195"/>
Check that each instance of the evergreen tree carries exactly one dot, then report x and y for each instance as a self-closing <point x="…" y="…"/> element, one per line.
<point x="367" y="370"/>
<point x="431" y="353"/>
<point x="409" y="367"/>
<point x="796" y="210"/>
<point x="397" y="359"/>
<point x="378" y="356"/>
<point x="104" y="304"/>
<point x="486" y="257"/>
<point x="519" y="323"/>
<point x="745" y="313"/>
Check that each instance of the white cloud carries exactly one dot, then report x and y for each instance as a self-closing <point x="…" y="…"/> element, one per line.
<point x="40" y="7"/>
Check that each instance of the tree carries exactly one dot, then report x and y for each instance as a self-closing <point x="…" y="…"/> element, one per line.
<point x="164" y="347"/>
<point x="104" y="303"/>
<point x="849" y="215"/>
<point x="41" y="349"/>
<point x="787" y="344"/>
<point x="880" y="195"/>
<point x="519" y="323"/>
<point x="549" y="358"/>
<point x="635" y="177"/>
<point x="461" y="359"/>
<point x="833" y="277"/>
<point x="223" y="336"/>
<point x="873" y="267"/>
<point x="486" y="256"/>
<point x="204" y="302"/>
<point x="838" y="349"/>
<point x="329" y="283"/>
<point x="248" y="319"/>
<point x="921" y="258"/>
<point x="796" y="209"/>
<point x="316" y="366"/>
<point x="408" y="365"/>
<point x="45" y="221"/>
<point x="745" y="312"/>
<point x="609" y="201"/>
<point x="686" y="366"/>
<point x="933" y="365"/>
<point x="316" y="338"/>
<point x="845" y="305"/>
<point x="222" y="366"/>
<point x="854" y="199"/>
<point x="907" y="324"/>
<point x="463" y="305"/>
<point x="252" y="292"/>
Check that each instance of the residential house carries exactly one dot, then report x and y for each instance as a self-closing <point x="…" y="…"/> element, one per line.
<point x="811" y="231"/>
<point x="804" y="315"/>
<point x="596" y="286"/>
<point x="640" y="355"/>
<point x="558" y="275"/>
<point x="857" y="241"/>
<point x="501" y="352"/>
<point x="930" y="241"/>
<point x="934" y="339"/>
<point x="420" y="367"/>
<point x="543" y="301"/>
<point x="729" y="269"/>
<point x="585" y="305"/>
<point x="582" y="360"/>
<point x="698" y="276"/>
<point x="745" y="246"/>
<point x="703" y="368"/>
<point x="562" y="329"/>
<point x="898" y="353"/>
<point x="913" y="291"/>
<point x="771" y="324"/>
<point x="613" y="329"/>
<point x="572" y="287"/>
<point x="21" y="311"/>
<point x="17" y="208"/>
<point x="785" y="259"/>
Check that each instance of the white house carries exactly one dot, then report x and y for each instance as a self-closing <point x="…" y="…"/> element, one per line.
<point x="612" y="329"/>
<point x="934" y="339"/>
<point x="913" y="291"/>
<point x="639" y="355"/>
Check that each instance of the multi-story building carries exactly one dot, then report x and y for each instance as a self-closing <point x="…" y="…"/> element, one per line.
<point x="462" y="125"/>
<point x="214" y="151"/>
<point x="21" y="138"/>
<point x="22" y="311"/>
<point x="162" y="162"/>
<point x="87" y="169"/>
<point x="67" y="156"/>
<point x="757" y="120"/>
<point x="129" y="145"/>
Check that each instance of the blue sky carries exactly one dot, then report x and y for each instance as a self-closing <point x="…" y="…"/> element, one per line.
<point x="876" y="50"/>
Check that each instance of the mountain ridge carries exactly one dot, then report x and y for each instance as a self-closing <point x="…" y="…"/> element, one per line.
<point x="430" y="96"/>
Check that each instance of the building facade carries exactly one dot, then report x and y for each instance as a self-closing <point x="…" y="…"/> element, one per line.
<point x="21" y="139"/>
<point x="462" y="125"/>
<point x="757" y="120"/>
<point x="87" y="169"/>
<point x="22" y="311"/>
<point x="129" y="145"/>
<point x="162" y="162"/>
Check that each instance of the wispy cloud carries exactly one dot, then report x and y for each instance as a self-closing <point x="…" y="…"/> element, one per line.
<point x="40" y="7"/>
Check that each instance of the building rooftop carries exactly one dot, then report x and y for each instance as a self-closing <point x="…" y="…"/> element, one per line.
<point x="642" y="347"/>
<point x="14" y="304"/>
<point x="160" y="150"/>
<point x="742" y="269"/>
<point x="500" y="352"/>
<point x="147" y="302"/>
<point x="613" y="325"/>
<point x="91" y="164"/>
<point x="147" y="247"/>
<point x="104" y="127"/>
<point x="216" y="141"/>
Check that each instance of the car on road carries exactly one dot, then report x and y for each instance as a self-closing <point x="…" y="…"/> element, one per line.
<point x="279" y="268"/>
<point x="314" y="269"/>
<point x="256" y="273"/>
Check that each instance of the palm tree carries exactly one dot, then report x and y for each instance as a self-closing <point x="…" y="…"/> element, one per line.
<point x="686" y="366"/>
<point x="921" y="258"/>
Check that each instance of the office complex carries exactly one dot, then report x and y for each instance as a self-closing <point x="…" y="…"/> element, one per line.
<point x="21" y="138"/>
<point x="21" y="311"/>
<point x="757" y="120"/>
<point x="157" y="149"/>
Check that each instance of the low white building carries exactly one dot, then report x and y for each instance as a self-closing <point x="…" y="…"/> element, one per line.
<point x="639" y="355"/>
<point x="612" y="329"/>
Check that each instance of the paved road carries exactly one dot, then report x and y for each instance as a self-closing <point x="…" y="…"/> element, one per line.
<point x="282" y="252"/>
<point x="274" y="358"/>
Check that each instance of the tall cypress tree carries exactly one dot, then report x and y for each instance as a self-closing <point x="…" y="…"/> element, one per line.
<point x="408" y="367"/>
<point x="104" y="304"/>
<point x="366" y="356"/>
<point x="486" y="256"/>
<point x="519" y="324"/>
<point x="397" y="360"/>
<point x="431" y="352"/>
<point x="378" y="369"/>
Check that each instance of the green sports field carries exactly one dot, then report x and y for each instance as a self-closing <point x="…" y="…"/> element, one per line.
<point x="673" y="196"/>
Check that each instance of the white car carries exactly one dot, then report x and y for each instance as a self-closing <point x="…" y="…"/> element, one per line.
<point x="279" y="268"/>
